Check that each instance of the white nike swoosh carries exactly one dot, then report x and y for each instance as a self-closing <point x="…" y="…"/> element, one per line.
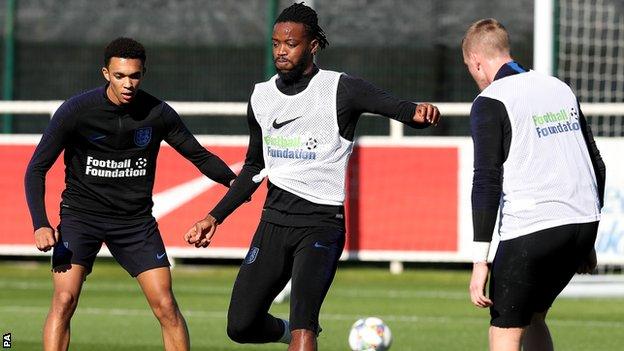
<point x="171" y="199"/>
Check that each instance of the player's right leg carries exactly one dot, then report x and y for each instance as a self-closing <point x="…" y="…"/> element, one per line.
<point x="72" y="260"/>
<point x="262" y="275"/>
<point x="67" y="287"/>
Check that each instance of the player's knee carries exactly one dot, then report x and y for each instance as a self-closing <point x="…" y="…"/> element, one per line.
<point x="239" y="331"/>
<point x="166" y="310"/>
<point x="64" y="304"/>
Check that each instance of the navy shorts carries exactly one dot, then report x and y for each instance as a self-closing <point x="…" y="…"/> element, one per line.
<point x="136" y="245"/>
<point x="530" y="271"/>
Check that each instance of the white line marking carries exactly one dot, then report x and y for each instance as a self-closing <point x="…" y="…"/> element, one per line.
<point x="336" y="292"/>
<point x="133" y="312"/>
<point x="173" y="198"/>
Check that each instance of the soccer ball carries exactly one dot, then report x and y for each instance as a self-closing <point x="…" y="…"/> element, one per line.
<point x="370" y="334"/>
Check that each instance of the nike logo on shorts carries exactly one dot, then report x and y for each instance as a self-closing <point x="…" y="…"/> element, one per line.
<point x="321" y="246"/>
<point x="159" y="257"/>
<point x="97" y="137"/>
<point x="279" y="125"/>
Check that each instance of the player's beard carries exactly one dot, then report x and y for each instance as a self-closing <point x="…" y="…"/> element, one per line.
<point x="297" y="72"/>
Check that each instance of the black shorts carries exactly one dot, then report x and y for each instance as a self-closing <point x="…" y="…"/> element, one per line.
<point x="530" y="271"/>
<point x="308" y="254"/>
<point x="137" y="245"/>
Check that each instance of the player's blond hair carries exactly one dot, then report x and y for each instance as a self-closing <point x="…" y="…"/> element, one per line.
<point x="487" y="37"/>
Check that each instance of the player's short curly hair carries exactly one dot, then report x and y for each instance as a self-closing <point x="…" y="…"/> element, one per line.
<point x="300" y="13"/>
<point x="124" y="48"/>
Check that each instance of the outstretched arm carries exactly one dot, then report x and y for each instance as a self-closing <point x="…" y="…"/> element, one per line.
<point x="357" y="96"/>
<point x="183" y="141"/>
<point x="243" y="187"/>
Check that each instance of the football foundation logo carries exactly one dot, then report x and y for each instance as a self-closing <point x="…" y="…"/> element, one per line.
<point x="116" y="169"/>
<point x="556" y="122"/>
<point x="295" y="147"/>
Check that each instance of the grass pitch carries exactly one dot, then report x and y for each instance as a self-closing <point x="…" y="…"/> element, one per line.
<point x="425" y="309"/>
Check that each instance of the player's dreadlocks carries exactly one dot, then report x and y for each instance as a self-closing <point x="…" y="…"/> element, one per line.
<point x="300" y="13"/>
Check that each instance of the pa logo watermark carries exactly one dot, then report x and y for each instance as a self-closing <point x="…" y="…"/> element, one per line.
<point x="6" y="341"/>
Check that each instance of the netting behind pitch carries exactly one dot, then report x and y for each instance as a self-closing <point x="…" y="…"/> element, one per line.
<point x="591" y="55"/>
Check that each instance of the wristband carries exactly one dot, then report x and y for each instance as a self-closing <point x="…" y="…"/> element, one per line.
<point x="480" y="251"/>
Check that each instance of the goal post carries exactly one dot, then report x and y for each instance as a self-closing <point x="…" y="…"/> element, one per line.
<point x="544" y="36"/>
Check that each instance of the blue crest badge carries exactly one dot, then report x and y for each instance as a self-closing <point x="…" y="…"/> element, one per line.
<point x="251" y="255"/>
<point x="142" y="136"/>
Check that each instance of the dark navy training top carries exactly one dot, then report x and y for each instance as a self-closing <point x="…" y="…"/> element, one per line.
<point x="110" y="156"/>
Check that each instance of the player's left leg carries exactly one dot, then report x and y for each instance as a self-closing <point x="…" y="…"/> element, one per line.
<point x="67" y="287"/>
<point x="512" y="282"/>
<point x="314" y="268"/>
<point x="505" y="339"/>
<point x="156" y="285"/>
<point x="574" y="243"/>
<point x="537" y="336"/>
<point x="139" y="249"/>
<point x="72" y="260"/>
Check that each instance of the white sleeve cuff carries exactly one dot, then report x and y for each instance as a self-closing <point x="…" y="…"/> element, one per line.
<point x="480" y="251"/>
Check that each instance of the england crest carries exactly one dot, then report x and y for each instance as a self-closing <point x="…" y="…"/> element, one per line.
<point x="251" y="255"/>
<point x="142" y="136"/>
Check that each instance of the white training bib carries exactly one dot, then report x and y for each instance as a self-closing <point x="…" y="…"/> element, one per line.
<point x="548" y="177"/>
<point x="304" y="153"/>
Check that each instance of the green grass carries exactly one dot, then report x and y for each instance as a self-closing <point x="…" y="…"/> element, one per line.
<point x="426" y="310"/>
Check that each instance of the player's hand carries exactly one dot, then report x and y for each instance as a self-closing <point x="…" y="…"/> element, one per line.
<point x="46" y="238"/>
<point x="588" y="264"/>
<point x="201" y="233"/>
<point x="427" y="113"/>
<point x="480" y="272"/>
